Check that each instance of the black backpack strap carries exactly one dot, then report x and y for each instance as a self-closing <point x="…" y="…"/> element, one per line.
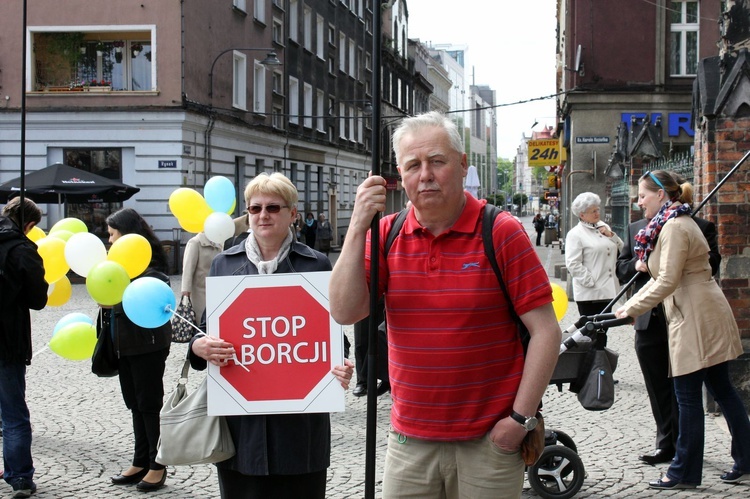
<point x="489" y="215"/>
<point x="398" y="222"/>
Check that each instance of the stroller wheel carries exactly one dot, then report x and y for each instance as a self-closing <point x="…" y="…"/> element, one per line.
<point x="566" y="440"/>
<point x="558" y="474"/>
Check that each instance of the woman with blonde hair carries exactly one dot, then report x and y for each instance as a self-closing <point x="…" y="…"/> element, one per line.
<point x="282" y="455"/>
<point x="703" y="335"/>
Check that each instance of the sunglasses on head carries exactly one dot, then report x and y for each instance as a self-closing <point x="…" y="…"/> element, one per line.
<point x="270" y="208"/>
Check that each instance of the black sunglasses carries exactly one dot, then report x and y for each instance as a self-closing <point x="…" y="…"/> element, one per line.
<point x="270" y="208"/>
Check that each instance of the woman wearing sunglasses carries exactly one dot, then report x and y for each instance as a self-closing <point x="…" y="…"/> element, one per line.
<point x="702" y="333"/>
<point x="278" y="456"/>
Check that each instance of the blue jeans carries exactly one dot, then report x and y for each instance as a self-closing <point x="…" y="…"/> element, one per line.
<point x="687" y="466"/>
<point x="17" y="460"/>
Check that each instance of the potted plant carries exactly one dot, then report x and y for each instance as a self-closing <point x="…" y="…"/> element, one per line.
<point x="100" y="48"/>
<point x="136" y="49"/>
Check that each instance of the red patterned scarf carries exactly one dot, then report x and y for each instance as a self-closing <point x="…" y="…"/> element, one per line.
<point x="646" y="237"/>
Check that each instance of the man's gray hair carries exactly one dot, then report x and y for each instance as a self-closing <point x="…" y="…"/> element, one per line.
<point x="427" y="120"/>
<point x="584" y="201"/>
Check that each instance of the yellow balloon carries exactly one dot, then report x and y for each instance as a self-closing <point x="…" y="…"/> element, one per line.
<point x="52" y="251"/>
<point x="190" y="226"/>
<point x="188" y="204"/>
<point x="133" y="252"/>
<point x="560" y="301"/>
<point x="35" y="234"/>
<point x="75" y="341"/>
<point x="106" y="282"/>
<point x="61" y="234"/>
<point x="72" y="225"/>
<point x="60" y="292"/>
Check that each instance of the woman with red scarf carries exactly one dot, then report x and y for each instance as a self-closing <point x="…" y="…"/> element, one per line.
<point x="703" y="335"/>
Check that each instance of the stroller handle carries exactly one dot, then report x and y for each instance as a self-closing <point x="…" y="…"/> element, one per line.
<point x="587" y="325"/>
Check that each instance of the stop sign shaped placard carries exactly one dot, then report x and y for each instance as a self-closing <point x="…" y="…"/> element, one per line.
<point x="283" y="333"/>
<point x="285" y="340"/>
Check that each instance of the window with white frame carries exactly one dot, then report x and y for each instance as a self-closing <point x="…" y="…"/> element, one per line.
<point x="278" y="116"/>
<point x="278" y="30"/>
<point x="684" y="28"/>
<point x="352" y="59"/>
<point x="361" y="127"/>
<point x="239" y="79"/>
<point x="320" y="32"/>
<point x="293" y="20"/>
<point x="342" y="52"/>
<point x="342" y="121"/>
<point x="293" y="100"/>
<point x="332" y="64"/>
<point x="259" y="87"/>
<point x="259" y="10"/>
<point x="120" y="61"/>
<point x="277" y="83"/>
<point x="331" y="34"/>
<point x="240" y="5"/>
<point x="321" y="111"/>
<point x="307" y="28"/>
<point x="352" y="114"/>
<point x="308" y="105"/>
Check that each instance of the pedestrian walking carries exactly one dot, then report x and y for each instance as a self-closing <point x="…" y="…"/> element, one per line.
<point x="324" y="234"/>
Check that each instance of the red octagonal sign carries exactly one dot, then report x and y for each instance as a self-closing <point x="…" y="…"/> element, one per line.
<point x="279" y="334"/>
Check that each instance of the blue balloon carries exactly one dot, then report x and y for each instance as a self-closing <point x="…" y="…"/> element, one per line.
<point x="219" y="194"/>
<point x="71" y="319"/>
<point x="148" y="302"/>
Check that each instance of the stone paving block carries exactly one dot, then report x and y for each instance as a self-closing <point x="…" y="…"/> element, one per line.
<point x="82" y="431"/>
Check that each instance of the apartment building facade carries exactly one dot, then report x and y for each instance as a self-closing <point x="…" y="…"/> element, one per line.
<point x="626" y="63"/>
<point x="173" y="93"/>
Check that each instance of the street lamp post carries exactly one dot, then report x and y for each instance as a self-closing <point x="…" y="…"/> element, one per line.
<point x="270" y="60"/>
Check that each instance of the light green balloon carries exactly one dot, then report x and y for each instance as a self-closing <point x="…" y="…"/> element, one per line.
<point x="106" y="282"/>
<point x="72" y="225"/>
<point x="75" y="341"/>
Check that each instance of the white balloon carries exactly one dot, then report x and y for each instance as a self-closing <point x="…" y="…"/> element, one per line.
<point x="218" y="227"/>
<point x="84" y="250"/>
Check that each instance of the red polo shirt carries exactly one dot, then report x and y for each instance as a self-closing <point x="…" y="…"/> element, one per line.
<point x="455" y="357"/>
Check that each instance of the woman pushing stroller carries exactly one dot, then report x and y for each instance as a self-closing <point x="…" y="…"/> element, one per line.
<point x="703" y="335"/>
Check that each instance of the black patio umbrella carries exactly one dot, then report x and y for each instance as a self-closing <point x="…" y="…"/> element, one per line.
<point x="59" y="183"/>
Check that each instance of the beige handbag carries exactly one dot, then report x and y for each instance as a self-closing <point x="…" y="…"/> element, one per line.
<point x="188" y="434"/>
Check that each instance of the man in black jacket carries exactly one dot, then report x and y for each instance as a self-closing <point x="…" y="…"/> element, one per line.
<point x="22" y="287"/>
<point x="652" y="348"/>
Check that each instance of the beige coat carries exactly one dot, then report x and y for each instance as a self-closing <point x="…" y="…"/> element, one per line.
<point x="702" y="329"/>
<point x="199" y="253"/>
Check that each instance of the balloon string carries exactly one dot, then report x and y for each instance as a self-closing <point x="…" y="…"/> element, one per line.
<point x="234" y="356"/>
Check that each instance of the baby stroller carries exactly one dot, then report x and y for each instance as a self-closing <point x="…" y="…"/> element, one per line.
<point x="559" y="471"/>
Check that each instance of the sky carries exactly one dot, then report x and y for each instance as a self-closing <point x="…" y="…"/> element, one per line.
<point x="511" y="48"/>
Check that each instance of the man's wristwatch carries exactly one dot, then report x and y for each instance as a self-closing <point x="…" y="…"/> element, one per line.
<point x="528" y="422"/>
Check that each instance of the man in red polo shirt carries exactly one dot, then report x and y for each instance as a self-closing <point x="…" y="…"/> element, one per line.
<point x="464" y="395"/>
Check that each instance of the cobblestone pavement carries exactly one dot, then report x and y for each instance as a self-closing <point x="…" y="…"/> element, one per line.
<point x="82" y="430"/>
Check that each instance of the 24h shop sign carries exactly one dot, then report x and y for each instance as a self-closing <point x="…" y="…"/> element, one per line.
<point x="285" y="340"/>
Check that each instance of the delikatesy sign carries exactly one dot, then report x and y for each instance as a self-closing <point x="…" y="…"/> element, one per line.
<point x="286" y="344"/>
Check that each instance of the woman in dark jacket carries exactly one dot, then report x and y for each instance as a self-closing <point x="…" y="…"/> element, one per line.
<point x="286" y="455"/>
<point x="142" y="356"/>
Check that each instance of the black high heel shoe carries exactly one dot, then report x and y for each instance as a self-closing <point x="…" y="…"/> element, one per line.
<point x="129" y="479"/>
<point x="145" y="486"/>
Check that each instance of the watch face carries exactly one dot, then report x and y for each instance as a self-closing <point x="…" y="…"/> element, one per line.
<point x="530" y="423"/>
